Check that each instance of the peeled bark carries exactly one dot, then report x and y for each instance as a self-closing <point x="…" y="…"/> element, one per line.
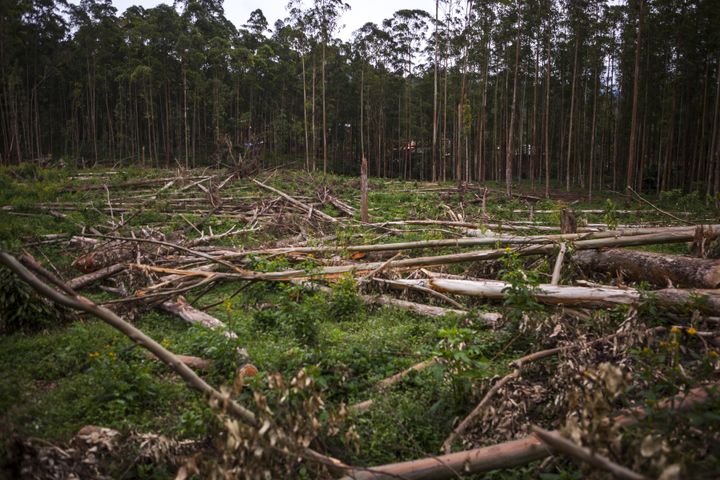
<point x="660" y="269"/>
<point x="707" y="301"/>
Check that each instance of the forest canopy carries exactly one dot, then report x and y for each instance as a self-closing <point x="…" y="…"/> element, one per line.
<point x="585" y="94"/>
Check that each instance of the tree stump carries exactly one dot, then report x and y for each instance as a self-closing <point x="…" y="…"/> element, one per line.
<point x="568" y="223"/>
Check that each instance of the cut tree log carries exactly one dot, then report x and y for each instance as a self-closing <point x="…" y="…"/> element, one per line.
<point x="190" y="314"/>
<point x="558" y="264"/>
<point x="660" y="269"/>
<point x="564" y="445"/>
<point x="707" y="301"/>
<point x="78" y="283"/>
<point x="509" y="454"/>
<point x="104" y="256"/>
<point x="340" y="205"/>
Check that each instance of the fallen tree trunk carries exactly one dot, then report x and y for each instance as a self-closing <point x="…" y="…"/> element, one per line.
<point x="489" y="238"/>
<point x="508" y="454"/>
<point x="71" y="299"/>
<point x="88" y="279"/>
<point x="190" y="314"/>
<point x="550" y="294"/>
<point x="707" y="301"/>
<point x="560" y="444"/>
<point x="654" y="267"/>
<point x="678" y="236"/>
<point x="476" y="255"/>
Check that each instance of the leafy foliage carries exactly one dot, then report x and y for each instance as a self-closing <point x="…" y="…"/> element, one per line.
<point x="21" y="310"/>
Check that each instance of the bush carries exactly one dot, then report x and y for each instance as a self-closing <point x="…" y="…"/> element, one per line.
<point x="21" y="309"/>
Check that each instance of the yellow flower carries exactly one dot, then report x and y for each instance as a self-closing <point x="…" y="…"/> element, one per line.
<point x="691" y="331"/>
<point x="646" y="350"/>
<point x="675" y="329"/>
<point x="713" y="354"/>
<point x="508" y="249"/>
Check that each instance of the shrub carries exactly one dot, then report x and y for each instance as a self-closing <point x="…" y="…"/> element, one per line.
<point x="21" y="309"/>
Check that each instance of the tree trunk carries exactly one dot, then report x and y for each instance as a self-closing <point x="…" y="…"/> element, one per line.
<point x="324" y="117"/>
<point x="660" y="269"/>
<point x="83" y="281"/>
<point x="509" y="151"/>
<point x="572" y="115"/>
<point x="435" y="99"/>
<point x="591" y="166"/>
<point x="364" y="191"/>
<point x="305" y="116"/>
<point x="534" y="149"/>
<point x="547" y="124"/>
<point x="190" y="314"/>
<point x="568" y="222"/>
<point x="582" y="296"/>
<point x="633" y="120"/>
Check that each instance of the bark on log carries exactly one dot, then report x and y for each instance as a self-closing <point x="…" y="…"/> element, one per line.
<point x="686" y="272"/>
<point x="83" y="281"/>
<point x="568" y="223"/>
<point x="105" y="256"/>
<point x="564" y="445"/>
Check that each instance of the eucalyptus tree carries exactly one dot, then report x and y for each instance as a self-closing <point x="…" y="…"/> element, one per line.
<point x="300" y="40"/>
<point x="407" y="29"/>
<point x="326" y="16"/>
<point x="631" y="160"/>
<point x="31" y="34"/>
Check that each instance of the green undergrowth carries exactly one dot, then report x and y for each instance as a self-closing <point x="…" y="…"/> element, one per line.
<point x="64" y="373"/>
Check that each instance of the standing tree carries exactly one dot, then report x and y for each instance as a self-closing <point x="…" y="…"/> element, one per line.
<point x="326" y="15"/>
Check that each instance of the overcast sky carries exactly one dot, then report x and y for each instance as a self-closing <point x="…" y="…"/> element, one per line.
<point x="362" y="11"/>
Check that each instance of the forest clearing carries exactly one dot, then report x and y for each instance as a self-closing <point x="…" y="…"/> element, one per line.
<point x="418" y="239"/>
<point x="461" y="327"/>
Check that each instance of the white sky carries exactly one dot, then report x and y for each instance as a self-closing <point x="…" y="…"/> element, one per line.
<point x="362" y="11"/>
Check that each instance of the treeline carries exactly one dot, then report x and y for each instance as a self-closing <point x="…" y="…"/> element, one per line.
<point x="578" y="93"/>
